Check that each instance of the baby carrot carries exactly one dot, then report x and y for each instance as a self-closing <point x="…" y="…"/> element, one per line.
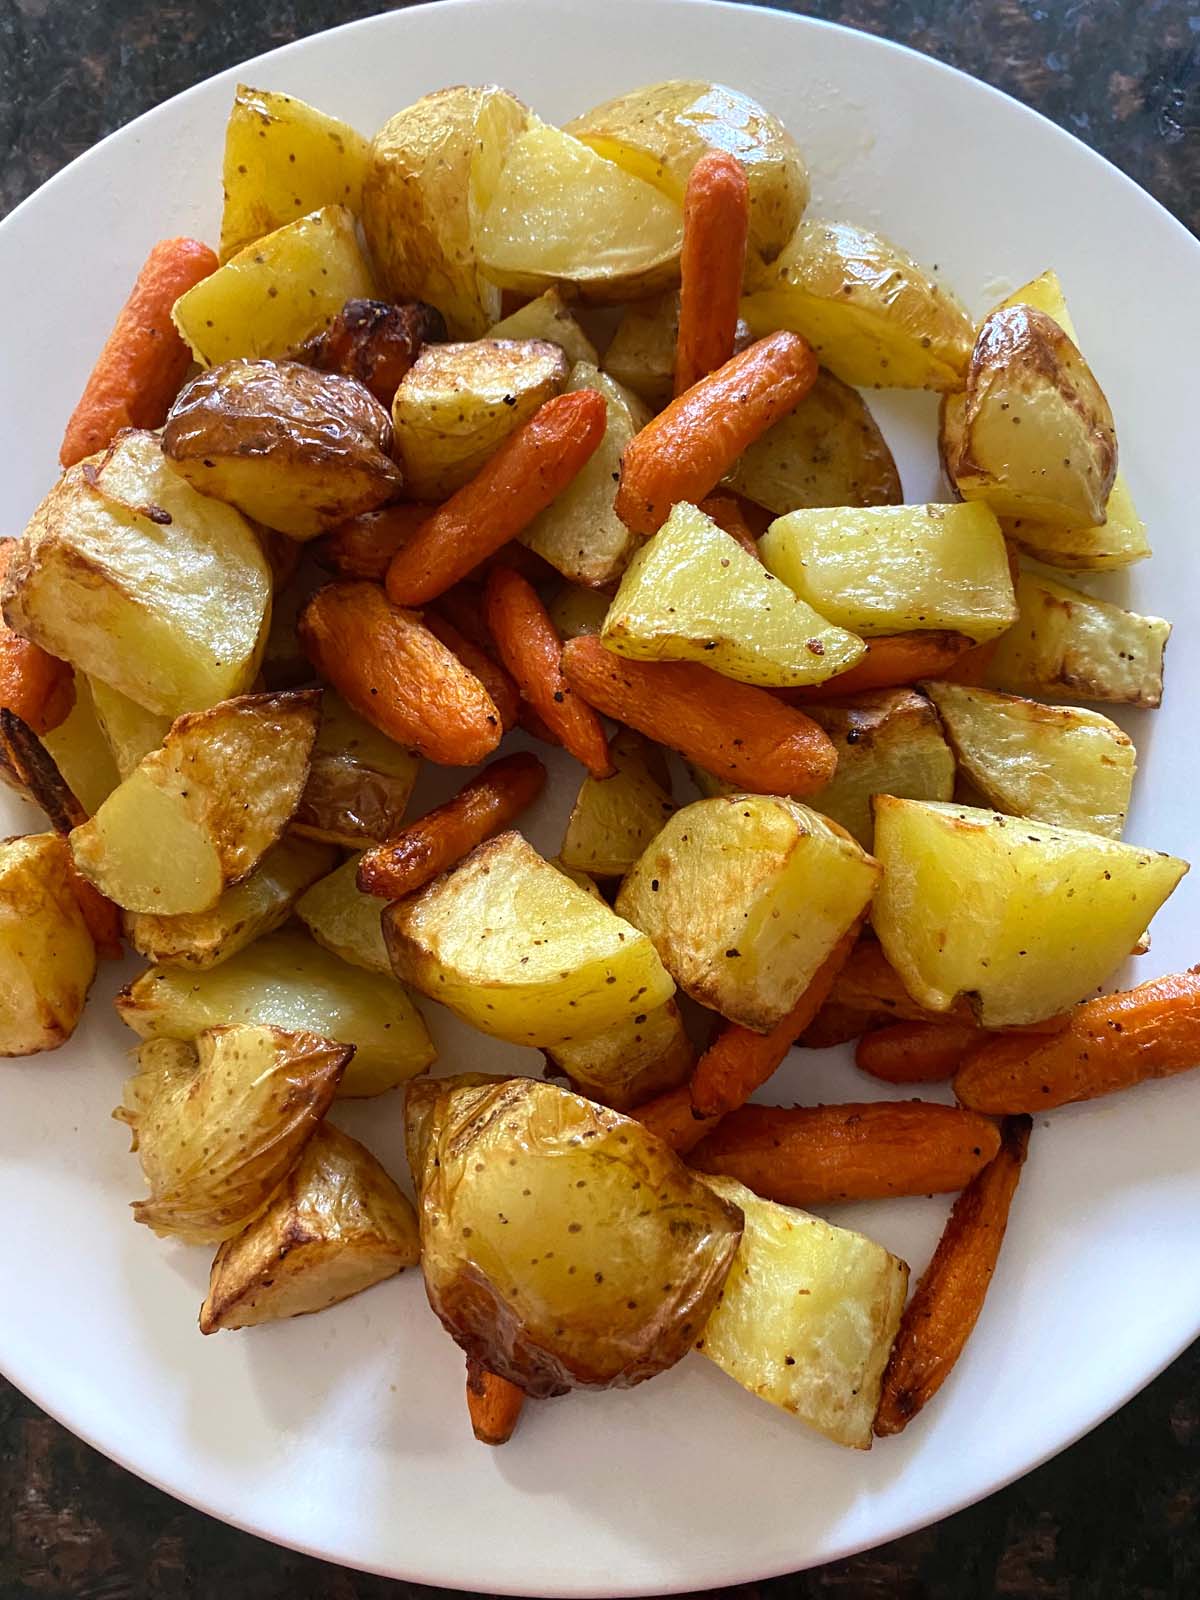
<point x="916" y="1052"/>
<point x="491" y="674"/>
<point x="36" y="685"/>
<point x="890" y="662"/>
<point x="716" y="220"/>
<point x="363" y="546"/>
<point x="493" y="1404"/>
<point x="727" y="513"/>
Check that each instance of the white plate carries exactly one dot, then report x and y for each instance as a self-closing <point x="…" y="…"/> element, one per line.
<point x="344" y="1434"/>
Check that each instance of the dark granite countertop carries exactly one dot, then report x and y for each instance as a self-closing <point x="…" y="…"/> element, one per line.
<point x="1115" y="1517"/>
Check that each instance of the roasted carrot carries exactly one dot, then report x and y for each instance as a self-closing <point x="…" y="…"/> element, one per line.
<point x="739" y="733"/>
<point x="377" y="342"/>
<point x="869" y="983"/>
<point x="363" y="546"/>
<point x="712" y="263"/>
<point x="672" y="1116"/>
<point x="890" y="662"/>
<point x="726" y="512"/>
<point x="1108" y="1044"/>
<point x="947" y="1301"/>
<point x="386" y="664"/>
<point x="684" y="452"/>
<point x="504" y="692"/>
<point x="144" y="360"/>
<point x="532" y="651"/>
<point x="916" y="1052"/>
<point x="815" y="1155"/>
<point x="446" y="834"/>
<point x="836" y="1024"/>
<point x="493" y="1403"/>
<point x="463" y="606"/>
<point x="36" y="685"/>
<point x="531" y="468"/>
<point x="972" y="666"/>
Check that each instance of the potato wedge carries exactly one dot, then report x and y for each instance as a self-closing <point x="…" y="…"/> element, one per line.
<point x="359" y="783"/>
<point x="657" y="133"/>
<point x="282" y="158"/>
<point x="744" y="897"/>
<point x="548" y="316"/>
<point x="691" y="593"/>
<point x="641" y="353"/>
<point x="575" y="611"/>
<point x="624" y="1065"/>
<point x="273" y="296"/>
<point x="201" y="812"/>
<point x="290" y="982"/>
<point x="521" y="1182"/>
<point x="512" y="946"/>
<point x="336" y="1225"/>
<point x="1067" y="645"/>
<point x="1048" y="763"/>
<point x="133" y="577"/>
<point x="216" y="1139"/>
<point x="807" y="1317"/>
<point x="827" y="452"/>
<point x="130" y="731"/>
<point x="614" y="819"/>
<point x="875" y="318"/>
<point x="560" y="213"/>
<point x="1025" y="919"/>
<point x="458" y="403"/>
<point x="297" y="450"/>
<point x="1032" y="435"/>
<point x="897" y="569"/>
<point x="344" y="920"/>
<point x="47" y="958"/>
<point x="80" y="750"/>
<point x="580" y="532"/>
<point x="258" y="905"/>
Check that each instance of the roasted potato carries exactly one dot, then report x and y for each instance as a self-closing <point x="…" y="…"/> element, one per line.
<point x="691" y="593"/>
<point x="283" y="157"/>
<point x="359" y="782"/>
<point x="258" y="905"/>
<point x="290" y="982"/>
<point x="275" y="295"/>
<point x="562" y="214"/>
<point x="659" y="132"/>
<point x="133" y="577"/>
<point x="217" y="1136"/>
<point x="626" y="1064"/>
<point x="875" y="318"/>
<point x="1025" y="919"/>
<point x="297" y="450"/>
<point x="641" y="352"/>
<point x="130" y="731"/>
<point x="576" y="611"/>
<point x="743" y="897"/>
<point x="1032" y="434"/>
<point x="80" y="750"/>
<point x="563" y="1245"/>
<point x="1068" y="645"/>
<point x="548" y="316"/>
<point x="344" y="920"/>
<point x="47" y="958"/>
<point x="580" y="532"/>
<point x="336" y="1225"/>
<point x="376" y="343"/>
<point x="512" y="946"/>
<point x="897" y="569"/>
<point x="431" y="172"/>
<point x="1048" y="763"/>
<point x="827" y="452"/>
<point x="200" y="813"/>
<point x="614" y="819"/>
<point x="807" y="1316"/>
<point x="459" y="402"/>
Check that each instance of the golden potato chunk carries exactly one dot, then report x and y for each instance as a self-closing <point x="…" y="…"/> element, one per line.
<point x="80" y="749"/>
<point x="743" y="897"/>
<point x="344" y="920"/>
<point x="200" y="813"/>
<point x="218" y="1134"/>
<point x="133" y="577"/>
<point x="875" y="318"/>
<point x="626" y="1064"/>
<point x="548" y="316"/>
<point x="512" y="946"/>
<point x="130" y="731"/>
<point x="458" y="403"/>
<point x="1048" y="763"/>
<point x="641" y="352"/>
<point x="336" y="1225"/>
<point x="576" y="611"/>
<point x="897" y="569"/>
<point x="563" y="1245"/>
<point x="807" y="1317"/>
<point x="297" y="450"/>
<point x="359" y="783"/>
<point x="691" y="593"/>
<point x="614" y="819"/>
<point x="1025" y="919"/>
<point x="47" y="958"/>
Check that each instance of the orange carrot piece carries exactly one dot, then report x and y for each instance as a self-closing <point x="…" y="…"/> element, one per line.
<point x="837" y="1024"/>
<point x="493" y="1404"/>
<point x="386" y="663"/>
<point x="463" y="605"/>
<point x="138" y="373"/>
<point x="685" y="451"/>
<point x="726" y="512"/>
<point x="916" y="1052"/>
<point x="869" y="983"/>
<point x="491" y="674"/>
<point x="738" y="732"/>
<point x="946" y="1304"/>
<point x="674" y="1119"/>
<point x="443" y="836"/>
<point x="363" y="546"/>
<point x="531" y="468"/>
<point x="890" y="662"/>
<point x="1108" y="1044"/>
<point x="36" y="685"/>
<point x="532" y="651"/>
<point x="712" y="263"/>
<point x="103" y="918"/>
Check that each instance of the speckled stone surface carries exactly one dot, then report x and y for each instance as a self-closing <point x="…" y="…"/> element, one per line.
<point x="1117" y="1517"/>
